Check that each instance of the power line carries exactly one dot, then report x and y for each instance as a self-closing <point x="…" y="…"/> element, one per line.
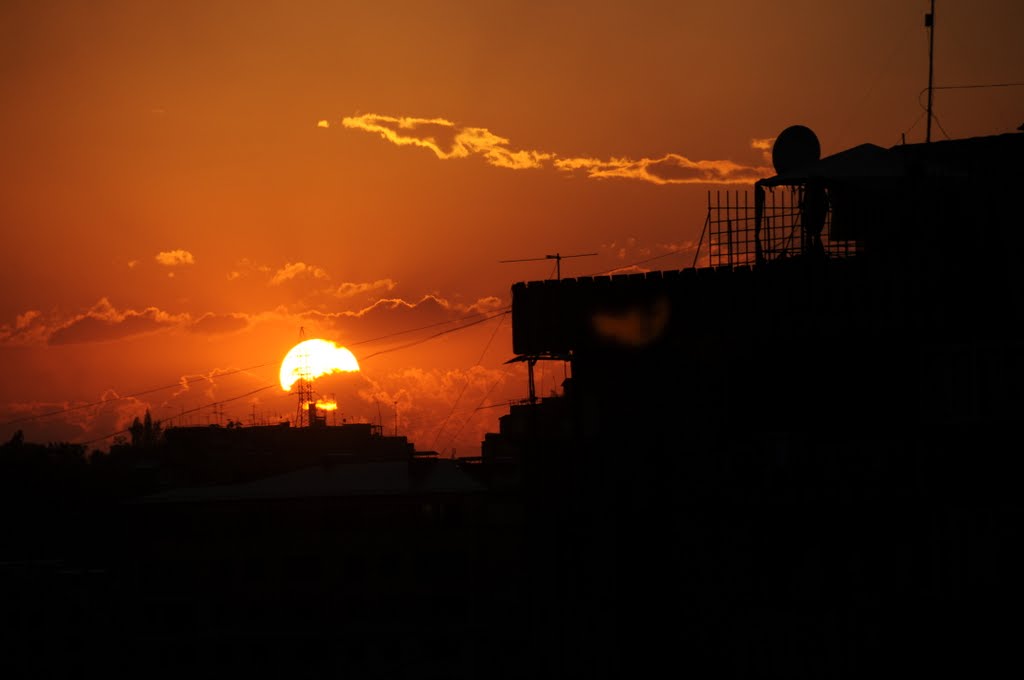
<point x="180" y="383"/>
<point x="200" y="378"/>
<point x="421" y="328"/>
<point x="977" y="86"/>
<point x="639" y="262"/>
<point x="557" y="257"/>
<point x="498" y="405"/>
<point x="883" y="69"/>
<point x="504" y="311"/>
<point x="479" y="407"/>
<point x="463" y="391"/>
<point x="191" y="410"/>
<point x="928" y="109"/>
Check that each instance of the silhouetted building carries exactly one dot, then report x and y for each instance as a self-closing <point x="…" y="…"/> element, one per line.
<point x="797" y="459"/>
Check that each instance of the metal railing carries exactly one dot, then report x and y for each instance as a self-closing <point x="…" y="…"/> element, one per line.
<point x="732" y="239"/>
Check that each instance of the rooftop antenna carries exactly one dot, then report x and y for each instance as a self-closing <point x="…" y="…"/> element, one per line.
<point x="557" y="257"/>
<point x="929" y="22"/>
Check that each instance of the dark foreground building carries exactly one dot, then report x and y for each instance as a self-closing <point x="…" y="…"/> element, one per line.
<point x="802" y="459"/>
<point x="796" y="461"/>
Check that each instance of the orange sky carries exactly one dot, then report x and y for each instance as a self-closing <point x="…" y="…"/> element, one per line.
<point x="185" y="184"/>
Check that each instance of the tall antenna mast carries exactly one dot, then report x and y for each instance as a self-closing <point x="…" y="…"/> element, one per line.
<point x="557" y="257"/>
<point x="303" y="386"/>
<point x="929" y="22"/>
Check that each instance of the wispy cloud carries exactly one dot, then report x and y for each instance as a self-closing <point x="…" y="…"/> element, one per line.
<point x="296" y="269"/>
<point x="764" y="145"/>
<point x="174" y="258"/>
<point x="348" y="289"/>
<point x="397" y="315"/>
<point x="28" y="328"/>
<point x="212" y="324"/>
<point x="447" y="140"/>
<point x="669" y="169"/>
<point x="104" y="322"/>
<point x="461" y="142"/>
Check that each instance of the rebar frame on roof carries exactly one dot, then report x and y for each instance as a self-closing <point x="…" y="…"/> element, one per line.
<point x="733" y="240"/>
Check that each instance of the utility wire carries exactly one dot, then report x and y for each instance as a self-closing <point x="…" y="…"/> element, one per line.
<point x="479" y="407"/>
<point x="463" y="391"/>
<point x="970" y="86"/>
<point x="883" y="69"/>
<point x="421" y="328"/>
<point x="976" y="86"/>
<point x="503" y="312"/>
<point x="639" y="262"/>
<point x="200" y="378"/>
<point x="180" y="383"/>
<point x="498" y="405"/>
<point x="191" y="410"/>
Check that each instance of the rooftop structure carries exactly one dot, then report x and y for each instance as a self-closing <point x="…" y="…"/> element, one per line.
<point x="832" y="386"/>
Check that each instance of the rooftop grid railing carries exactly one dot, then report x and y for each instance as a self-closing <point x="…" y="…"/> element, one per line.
<point x="730" y="235"/>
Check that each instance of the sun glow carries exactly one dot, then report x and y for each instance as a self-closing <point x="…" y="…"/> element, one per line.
<point x="313" y="358"/>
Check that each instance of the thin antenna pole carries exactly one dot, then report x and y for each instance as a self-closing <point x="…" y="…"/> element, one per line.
<point x="707" y="221"/>
<point x="557" y="257"/>
<point x="929" y="22"/>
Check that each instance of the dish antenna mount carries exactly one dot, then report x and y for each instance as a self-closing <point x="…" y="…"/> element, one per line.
<point x="796" y="147"/>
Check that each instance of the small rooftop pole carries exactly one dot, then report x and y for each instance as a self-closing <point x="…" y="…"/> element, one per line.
<point x="929" y="22"/>
<point x="557" y="257"/>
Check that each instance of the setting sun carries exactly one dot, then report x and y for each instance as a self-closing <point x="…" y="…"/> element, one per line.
<point x="314" y="358"/>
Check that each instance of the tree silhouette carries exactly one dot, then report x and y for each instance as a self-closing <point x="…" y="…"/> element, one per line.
<point x="145" y="433"/>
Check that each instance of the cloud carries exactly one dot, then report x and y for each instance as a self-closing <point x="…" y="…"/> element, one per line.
<point x="388" y="315"/>
<point x="212" y="324"/>
<point x="427" y="308"/>
<point x="764" y="145"/>
<point x="103" y="322"/>
<point x="396" y="333"/>
<point x="347" y="290"/>
<point x="629" y="269"/>
<point x="465" y="141"/>
<point x="448" y="140"/>
<point x="669" y="169"/>
<point x="395" y="322"/>
<point x="73" y="420"/>
<point x="438" y="408"/>
<point x="23" y="321"/>
<point x="28" y="328"/>
<point x="174" y="258"/>
<point x="295" y="269"/>
<point x="323" y="124"/>
<point x="245" y="267"/>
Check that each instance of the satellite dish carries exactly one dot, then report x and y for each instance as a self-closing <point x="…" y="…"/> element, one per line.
<point x="796" y="147"/>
